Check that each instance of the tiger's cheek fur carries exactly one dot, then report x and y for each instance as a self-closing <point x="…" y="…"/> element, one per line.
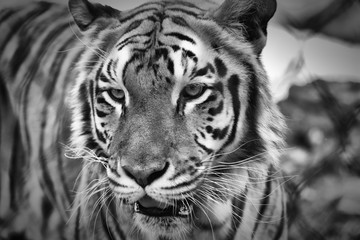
<point x="210" y="121"/>
<point x="106" y="119"/>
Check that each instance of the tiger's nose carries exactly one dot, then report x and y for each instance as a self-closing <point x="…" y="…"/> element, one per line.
<point x="143" y="176"/>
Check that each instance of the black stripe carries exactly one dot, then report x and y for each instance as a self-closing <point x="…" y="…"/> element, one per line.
<point x="91" y="143"/>
<point x="220" y="87"/>
<point x="46" y="175"/>
<point x="215" y="46"/>
<point x="211" y="67"/>
<point x="133" y="25"/>
<point x="28" y="18"/>
<point x="170" y="66"/>
<point x="61" y="134"/>
<point x="217" y="110"/>
<point x="100" y="136"/>
<point x="207" y="150"/>
<point x="115" y="183"/>
<point x="47" y="208"/>
<point x="168" y="80"/>
<point x="113" y="211"/>
<point x="263" y="204"/>
<point x="85" y="109"/>
<point x="100" y="77"/>
<point x="123" y="44"/>
<point x="55" y="68"/>
<point x="136" y="14"/>
<point x="218" y="133"/>
<point x="92" y="106"/>
<point x="134" y="57"/>
<point x="175" y="48"/>
<point x="58" y="63"/>
<point x="115" y="66"/>
<point x="32" y="70"/>
<point x="17" y="163"/>
<point x="108" y="69"/>
<point x="179" y="21"/>
<point x="77" y="225"/>
<point x="161" y="52"/>
<point x="253" y="144"/>
<point x="101" y="100"/>
<point x="127" y="43"/>
<point x="74" y="60"/>
<point x="48" y="91"/>
<point x="17" y="235"/>
<point x="93" y="60"/>
<point x="131" y="42"/>
<point x="25" y="44"/>
<point x="60" y="163"/>
<point x="146" y="44"/>
<point x="233" y="86"/>
<point x="100" y="113"/>
<point x="210" y="99"/>
<point x="220" y="67"/>
<point x="4" y="106"/>
<point x="180" y="36"/>
<point x="106" y="227"/>
<point x="252" y="109"/>
<point x="201" y="72"/>
<point x="280" y="228"/>
<point x="5" y="14"/>
<point x="131" y="39"/>
<point x="153" y="18"/>
<point x="182" y="184"/>
<point x="238" y="208"/>
<point x="163" y="238"/>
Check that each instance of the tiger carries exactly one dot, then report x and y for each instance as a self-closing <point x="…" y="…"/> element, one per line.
<point x="154" y="123"/>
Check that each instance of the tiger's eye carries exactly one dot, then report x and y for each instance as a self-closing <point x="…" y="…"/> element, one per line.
<point x="117" y="94"/>
<point x="193" y="90"/>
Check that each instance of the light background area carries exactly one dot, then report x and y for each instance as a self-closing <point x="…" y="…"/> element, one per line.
<point x="322" y="57"/>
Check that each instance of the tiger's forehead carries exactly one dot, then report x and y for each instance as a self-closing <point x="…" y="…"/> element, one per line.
<point x="161" y="18"/>
<point x="162" y="35"/>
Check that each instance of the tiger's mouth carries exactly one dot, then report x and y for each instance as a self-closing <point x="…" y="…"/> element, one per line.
<point x="152" y="208"/>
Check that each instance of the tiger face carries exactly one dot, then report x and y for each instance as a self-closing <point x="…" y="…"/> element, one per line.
<point x="170" y="113"/>
<point x="174" y="106"/>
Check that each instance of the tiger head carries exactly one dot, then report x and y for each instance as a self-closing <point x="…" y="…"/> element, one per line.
<point x="176" y="100"/>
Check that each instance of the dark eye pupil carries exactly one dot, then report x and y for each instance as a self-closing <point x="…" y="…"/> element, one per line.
<point x="193" y="90"/>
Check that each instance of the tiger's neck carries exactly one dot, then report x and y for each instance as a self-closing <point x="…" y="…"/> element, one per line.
<point x="258" y="210"/>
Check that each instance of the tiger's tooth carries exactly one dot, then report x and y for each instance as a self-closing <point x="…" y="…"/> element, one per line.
<point x="136" y="207"/>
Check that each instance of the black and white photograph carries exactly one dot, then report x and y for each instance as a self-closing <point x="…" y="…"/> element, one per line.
<point x="179" y="120"/>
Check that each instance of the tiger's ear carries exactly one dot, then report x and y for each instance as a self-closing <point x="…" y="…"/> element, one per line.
<point x="85" y="13"/>
<point x="248" y="17"/>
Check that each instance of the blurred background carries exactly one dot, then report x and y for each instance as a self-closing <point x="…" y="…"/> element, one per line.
<point x="313" y="61"/>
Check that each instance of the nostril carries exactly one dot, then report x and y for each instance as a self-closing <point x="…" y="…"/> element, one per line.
<point x="146" y="176"/>
<point x="155" y="175"/>
<point x="129" y="172"/>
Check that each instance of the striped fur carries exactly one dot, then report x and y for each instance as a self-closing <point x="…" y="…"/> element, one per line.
<point x="107" y="117"/>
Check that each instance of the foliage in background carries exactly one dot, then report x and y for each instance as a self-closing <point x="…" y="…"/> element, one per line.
<point x="323" y="156"/>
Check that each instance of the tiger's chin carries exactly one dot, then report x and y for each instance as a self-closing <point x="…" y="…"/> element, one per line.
<point x="167" y="220"/>
<point x="155" y="227"/>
